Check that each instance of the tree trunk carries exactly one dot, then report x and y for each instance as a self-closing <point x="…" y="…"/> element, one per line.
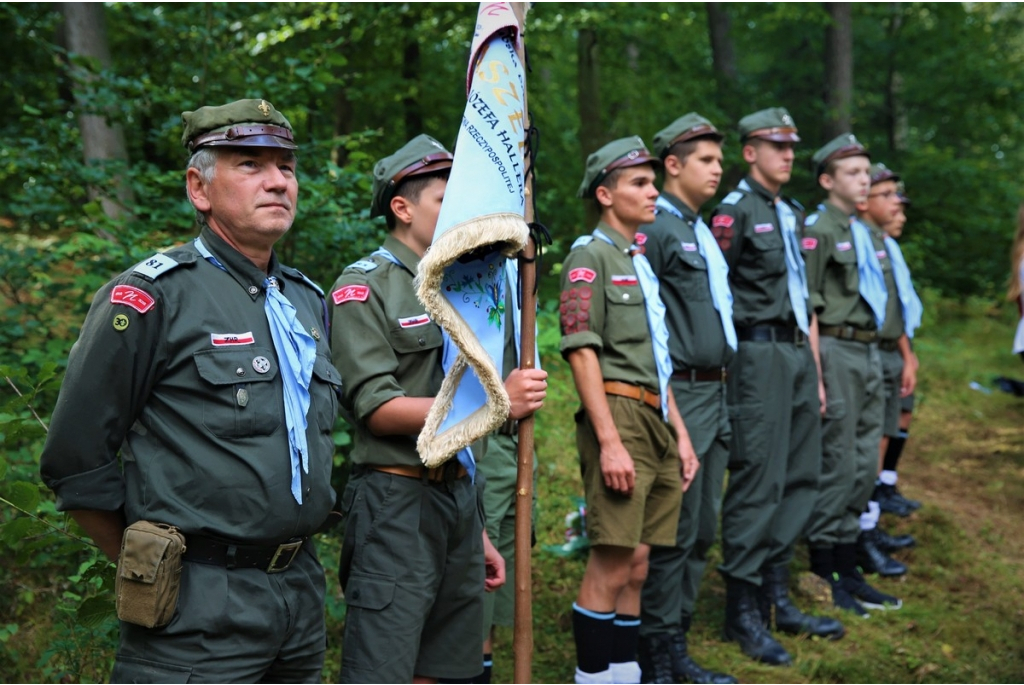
<point x="838" y="69"/>
<point x="723" y="56"/>
<point x="895" y="116"/>
<point x="102" y="141"/>
<point x="588" y="85"/>
<point x="411" y="75"/>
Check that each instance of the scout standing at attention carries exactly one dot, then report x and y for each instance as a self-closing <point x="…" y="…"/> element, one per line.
<point x="847" y="289"/>
<point x="413" y="562"/>
<point x="207" y="367"/>
<point x="616" y="343"/>
<point x="694" y="286"/>
<point x="775" y="395"/>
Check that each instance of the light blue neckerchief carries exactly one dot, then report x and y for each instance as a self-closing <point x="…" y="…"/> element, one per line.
<point x="912" y="307"/>
<point x="796" y="273"/>
<point x="449" y="353"/>
<point x="296" y="354"/>
<point x="869" y="269"/>
<point x="718" y="269"/>
<point x="655" y="318"/>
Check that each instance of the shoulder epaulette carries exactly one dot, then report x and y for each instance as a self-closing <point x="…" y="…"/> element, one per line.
<point x="732" y="198"/>
<point x="156" y="266"/>
<point x="582" y="241"/>
<point x="364" y="265"/>
<point x="794" y="203"/>
<point x="295" y="273"/>
<point x="811" y="219"/>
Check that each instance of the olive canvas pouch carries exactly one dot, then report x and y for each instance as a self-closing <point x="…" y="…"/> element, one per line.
<point x="149" y="573"/>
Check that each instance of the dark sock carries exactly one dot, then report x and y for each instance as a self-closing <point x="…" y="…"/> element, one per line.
<point x="892" y="454"/>
<point x="485" y="677"/>
<point x="594" y="635"/>
<point x="845" y="560"/>
<point x="625" y="636"/>
<point x="822" y="563"/>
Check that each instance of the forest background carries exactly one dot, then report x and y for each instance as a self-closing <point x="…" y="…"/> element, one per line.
<point x="91" y="174"/>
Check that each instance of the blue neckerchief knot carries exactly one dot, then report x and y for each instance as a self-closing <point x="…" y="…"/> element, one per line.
<point x="718" y="270"/>
<point x="912" y="307"/>
<point x="869" y="269"/>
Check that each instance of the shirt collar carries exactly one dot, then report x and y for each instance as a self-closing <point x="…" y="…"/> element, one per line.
<point x="762" y="191"/>
<point x="409" y="259"/>
<point x="688" y="214"/>
<point x="240" y="267"/>
<point x="617" y="238"/>
<point x="837" y="214"/>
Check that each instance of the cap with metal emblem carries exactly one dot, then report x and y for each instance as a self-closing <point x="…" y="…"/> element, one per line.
<point x="421" y="155"/>
<point x="686" y="127"/>
<point x="618" y="154"/>
<point x="773" y="124"/>
<point x="245" y="123"/>
<point x="840" y="147"/>
<point x="879" y="172"/>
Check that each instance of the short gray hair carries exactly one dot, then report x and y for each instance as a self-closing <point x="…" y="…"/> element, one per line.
<point x="203" y="160"/>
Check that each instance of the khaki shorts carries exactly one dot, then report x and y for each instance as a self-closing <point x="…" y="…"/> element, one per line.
<point x="892" y="378"/>
<point x="651" y="514"/>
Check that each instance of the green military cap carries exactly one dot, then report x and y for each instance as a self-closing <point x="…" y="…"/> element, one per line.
<point x="773" y="123"/>
<point x="240" y="123"/>
<point x="421" y="155"/>
<point x="840" y="147"/>
<point x="879" y="172"/>
<point x="618" y="154"/>
<point x="686" y="127"/>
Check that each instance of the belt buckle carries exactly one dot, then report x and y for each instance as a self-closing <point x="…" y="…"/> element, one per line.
<point x="289" y="548"/>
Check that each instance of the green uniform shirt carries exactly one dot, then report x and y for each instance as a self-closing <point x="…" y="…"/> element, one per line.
<point x="892" y="327"/>
<point x="385" y="346"/>
<point x="832" y="278"/>
<point x="696" y="338"/>
<point x="602" y="307"/>
<point x="746" y="226"/>
<point x="175" y="368"/>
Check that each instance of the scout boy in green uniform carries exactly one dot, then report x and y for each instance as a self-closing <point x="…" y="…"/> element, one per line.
<point x="413" y="562"/>
<point x="631" y="440"/>
<point x="694" y="287"/>
<point x="775" y="394"/>
<point x="207" y="368"/>
<point x="899" y="366"/>
<point x="847" y="289"/>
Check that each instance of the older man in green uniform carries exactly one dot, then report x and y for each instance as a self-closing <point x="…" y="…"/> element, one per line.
<point x="775" y="395"/>
<point x="413" y="562"/>
<point x="207" y="367"/>
<point x="616" y="343"/>
<point x="694" y="286"/>
<point x="848" y="292"/>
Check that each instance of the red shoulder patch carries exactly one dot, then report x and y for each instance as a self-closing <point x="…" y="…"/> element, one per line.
<point x="582" y="274"/>
<point x="809" y="243"/>
<point x="137" y="299"/>
<point x="722" y="220"/>
<point x="351" y="293"/>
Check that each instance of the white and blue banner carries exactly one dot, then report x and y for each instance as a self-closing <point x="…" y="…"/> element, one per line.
<point x="461" y="279"/>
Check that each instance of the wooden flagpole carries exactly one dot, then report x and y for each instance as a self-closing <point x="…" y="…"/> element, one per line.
<point x="522" y="641"/>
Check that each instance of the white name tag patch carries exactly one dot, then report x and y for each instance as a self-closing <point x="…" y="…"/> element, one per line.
<point x="227" y="339"/>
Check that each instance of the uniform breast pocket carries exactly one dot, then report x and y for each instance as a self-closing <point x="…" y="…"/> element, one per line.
<point x="323" y="391"/>
<point x="240" y="395"/>
<point x="415" y="339"/>
<point x="769" y="252"/>
<point x="846" y="265"/>
<point x="693" y="276"/>
<point x="625" y="315"/>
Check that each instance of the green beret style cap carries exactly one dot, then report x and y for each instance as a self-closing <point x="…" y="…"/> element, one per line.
<point x="241" y="123"/>
<point x="773" y="123"/>
<point x="686" y="127"/>
<point x="421" y="155"/>
<point x="618" y="154"/>
<point x="879" y="172"/>
<point x="840" y="147"/>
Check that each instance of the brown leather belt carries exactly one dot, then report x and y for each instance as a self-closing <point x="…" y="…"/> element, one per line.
<point x="715" y="374"/>
<point x="849" y="333"/>
<point x="768" y="333"/>
<point x="438" y="474"/>
<point x="889" y="345"/>
<point x="633" y="392"/>
<point x="269" y="558"/>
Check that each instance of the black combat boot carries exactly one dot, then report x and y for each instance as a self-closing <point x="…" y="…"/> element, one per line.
<point x="684" y="668"/>
<point x="825" y="565"/>
<point x="788" y="618"/>
<point x="891" y="503"/>
<point x="743" y="624"/>
<point x="874" y="560"/>
<point x="850" y="579"/>
<point x="655" y="658"/>
<point x="891" y="543"/>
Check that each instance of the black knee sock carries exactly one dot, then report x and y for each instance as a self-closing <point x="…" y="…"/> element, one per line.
<point x="485" y="677"/>
<point x="625" y="635"/>
<point x="822" y="563"/>
<point x="892" y="454"/>
<point x="594" y="633"/>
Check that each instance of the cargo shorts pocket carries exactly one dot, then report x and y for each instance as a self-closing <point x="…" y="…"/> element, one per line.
<point x="749" y="434"/>
<point x="131" y="669"/>
<point x="370" y="626"/>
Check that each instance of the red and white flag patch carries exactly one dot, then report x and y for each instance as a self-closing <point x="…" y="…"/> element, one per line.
<point x="640" y="238"/>
<point x="624" y="280"/>
<point x="137" y="299"/>
<point x="225" y="339"/>
<point x="582" y="274"/>
<point x="843" y="247"/>
<point x="351" y="293"/>
<point x="414" y="321"/>
<point x="880" y="254"/>
<point x="763" y="228"/>
<point x="809" y="243"/>
<point x="689" y="247"/>
<point x="722" y="221"/>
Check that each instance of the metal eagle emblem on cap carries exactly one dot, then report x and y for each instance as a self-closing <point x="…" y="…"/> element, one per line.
<point x="264" y="108"/>
<point x="787" y="120"/>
